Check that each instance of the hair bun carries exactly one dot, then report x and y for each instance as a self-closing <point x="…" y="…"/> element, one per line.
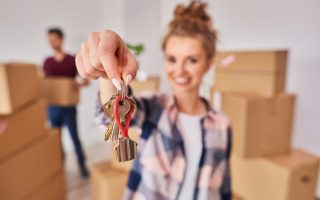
<point x="193" y="20"/>
<point x="194" y="12"/>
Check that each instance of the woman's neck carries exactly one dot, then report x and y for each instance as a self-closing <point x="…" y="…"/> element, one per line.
<point x="190" y="103"/>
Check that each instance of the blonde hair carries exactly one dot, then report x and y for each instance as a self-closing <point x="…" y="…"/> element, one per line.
<point x="193" y="21"/>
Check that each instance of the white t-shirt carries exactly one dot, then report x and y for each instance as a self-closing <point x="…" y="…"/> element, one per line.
<point x="190" y="129"/>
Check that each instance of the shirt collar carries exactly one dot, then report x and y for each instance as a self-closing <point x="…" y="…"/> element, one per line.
<point x="172" y="109"/>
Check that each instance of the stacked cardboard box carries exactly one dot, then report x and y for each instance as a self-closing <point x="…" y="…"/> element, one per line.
<point x="150" y="84"/>
<point x="291" y="176"/>
<point x="30" y="154"/>
<point x="251" y="85"/>
<point x="236" y="198"/>
<point x="262" y="126"/>
<point x="19" y="84"/>
<point x="109" y="178"/>
<point x="261" y="73"/>
<point x="107" y="182"/>
<point x="60" y="91"/>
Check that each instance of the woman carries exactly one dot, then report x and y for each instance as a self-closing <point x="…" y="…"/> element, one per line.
<point x="184" y="146"/>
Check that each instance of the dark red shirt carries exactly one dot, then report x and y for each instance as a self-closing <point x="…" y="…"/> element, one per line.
<point x="65" y="68"/>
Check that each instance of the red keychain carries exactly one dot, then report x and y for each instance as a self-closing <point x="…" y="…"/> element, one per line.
<point x="126" y="148"/>
<point x="123" y="127"/>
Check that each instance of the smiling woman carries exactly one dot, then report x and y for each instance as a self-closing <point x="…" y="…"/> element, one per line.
<point x="185" y="145"/>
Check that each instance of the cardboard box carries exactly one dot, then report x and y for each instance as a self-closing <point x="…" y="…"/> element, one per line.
<point x="261" y="126"/>
<point x="107" y="182"/>
<point x="282" y="177"/>
<point x="251" y="72"/>
<point x="151" y="84"/>
<point x="134" y="134"/>
<point x="19" y="84"/>
<point x="236" y="198"/>
<point x="22" y="128"/>
<point x="60" y="91"/>
<point x="27" y="170"/>
<point x="53" y="189"/>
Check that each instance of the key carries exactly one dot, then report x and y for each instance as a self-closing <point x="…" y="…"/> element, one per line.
<point x="109" y="131"/>
<point x="119" y="109"/>
<point x="115" y="133"/>
<point x="124" y="108"/>
<point x="108" y="110"/>
<point x="126" y="148"/>
<point x="108" y="107"/>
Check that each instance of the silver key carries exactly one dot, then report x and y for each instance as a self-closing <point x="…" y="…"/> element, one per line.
<point x="124" y="108"/>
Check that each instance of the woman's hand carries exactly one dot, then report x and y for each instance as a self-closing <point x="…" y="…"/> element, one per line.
<point x="105" y="55"/>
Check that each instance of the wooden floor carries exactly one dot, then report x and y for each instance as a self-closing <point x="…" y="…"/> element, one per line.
<point x="77" y="187"/>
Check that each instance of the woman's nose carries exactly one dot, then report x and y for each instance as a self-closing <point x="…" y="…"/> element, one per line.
<point x="180" y="68"/>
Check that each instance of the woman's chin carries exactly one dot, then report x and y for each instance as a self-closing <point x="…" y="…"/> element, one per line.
<point x="178" y="88"/>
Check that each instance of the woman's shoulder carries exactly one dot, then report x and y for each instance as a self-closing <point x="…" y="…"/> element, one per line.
<point x="217" y="119"/>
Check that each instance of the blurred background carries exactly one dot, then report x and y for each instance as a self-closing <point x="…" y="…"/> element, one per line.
<point x="246" y="25"/>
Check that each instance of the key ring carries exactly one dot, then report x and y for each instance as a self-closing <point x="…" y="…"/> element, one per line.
<point x="123" y="90"/>
<point x="123" y="128"/>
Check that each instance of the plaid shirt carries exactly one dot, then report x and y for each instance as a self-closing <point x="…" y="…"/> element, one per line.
<point x="158" y="171"/>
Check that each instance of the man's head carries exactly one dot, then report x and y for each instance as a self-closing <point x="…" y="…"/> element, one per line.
<point x="55" y="37"/>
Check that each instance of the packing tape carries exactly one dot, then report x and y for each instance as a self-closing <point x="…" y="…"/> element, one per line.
<point x="226" y="61"/>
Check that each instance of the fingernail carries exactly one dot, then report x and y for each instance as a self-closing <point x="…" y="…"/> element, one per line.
<point x="128" y="79"/>
<point x="116" y="83"/>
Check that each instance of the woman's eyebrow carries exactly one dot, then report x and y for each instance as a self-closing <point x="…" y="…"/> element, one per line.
<point x="194" y="55"/>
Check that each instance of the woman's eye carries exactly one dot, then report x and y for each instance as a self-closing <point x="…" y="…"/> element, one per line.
<point x="193" y="60"/>
<point x="171" y="59"/>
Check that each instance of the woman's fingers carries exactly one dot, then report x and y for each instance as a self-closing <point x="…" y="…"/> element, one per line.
<point x="93" y="42"/>
<point x="123" y="55"/>
<point x="106" y="55"/>
<point x="130" y="70"/>
<point x="81" y="69"/>
<point x="109" y="45"/>
<point x="89" y="69"/>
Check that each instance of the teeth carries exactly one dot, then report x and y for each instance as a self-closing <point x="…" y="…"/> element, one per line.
<point x="181" y="80"/>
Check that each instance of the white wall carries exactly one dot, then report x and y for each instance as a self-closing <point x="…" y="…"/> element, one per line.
<point x="142" y="26"/>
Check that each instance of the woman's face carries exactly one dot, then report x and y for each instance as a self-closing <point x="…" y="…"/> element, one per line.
<point x="185" y="61"/>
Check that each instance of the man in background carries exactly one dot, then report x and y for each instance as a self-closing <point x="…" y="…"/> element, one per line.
<point x="62" y="64"/>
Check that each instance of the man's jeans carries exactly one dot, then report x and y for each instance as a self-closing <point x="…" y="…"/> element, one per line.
<point x="67" y="116"/>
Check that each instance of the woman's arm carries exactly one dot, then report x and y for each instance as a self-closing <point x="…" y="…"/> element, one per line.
<point x="107" y="89"/>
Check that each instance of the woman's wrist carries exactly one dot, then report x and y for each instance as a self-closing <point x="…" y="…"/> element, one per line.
<point x="107" y="89"/>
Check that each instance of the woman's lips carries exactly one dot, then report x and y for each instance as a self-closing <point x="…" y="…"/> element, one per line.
<point x="182" y="80"/>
